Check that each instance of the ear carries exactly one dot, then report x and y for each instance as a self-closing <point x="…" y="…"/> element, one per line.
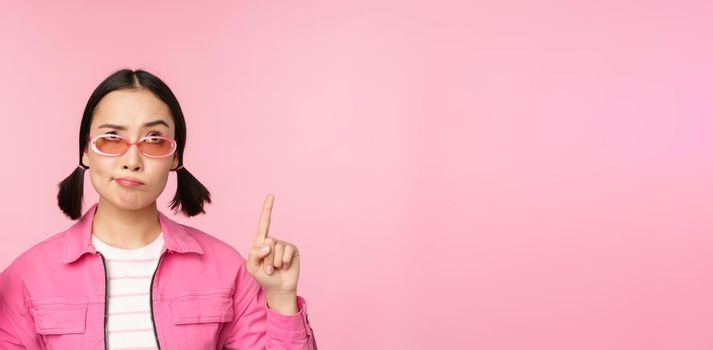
<point x="85" y="158"/>
<point x="174" y="163"/>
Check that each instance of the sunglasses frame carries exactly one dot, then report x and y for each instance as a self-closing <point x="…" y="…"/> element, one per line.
<point x="93" y="143"/>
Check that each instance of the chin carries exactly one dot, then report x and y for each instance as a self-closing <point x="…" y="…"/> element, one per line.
<point x="131" y="203"/>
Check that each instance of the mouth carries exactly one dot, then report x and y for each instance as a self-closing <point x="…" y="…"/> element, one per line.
<point x="128" y="182"/>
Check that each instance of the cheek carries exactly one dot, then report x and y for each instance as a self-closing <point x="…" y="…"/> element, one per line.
<point x="102" y="166"/>
<point x="158" y="171"/>
<point x="101" y="172"/>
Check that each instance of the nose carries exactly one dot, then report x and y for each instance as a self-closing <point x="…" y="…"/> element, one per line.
<point x="132" y="159"/>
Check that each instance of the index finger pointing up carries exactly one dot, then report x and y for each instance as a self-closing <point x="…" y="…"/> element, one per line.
<point x="264" y="223"/>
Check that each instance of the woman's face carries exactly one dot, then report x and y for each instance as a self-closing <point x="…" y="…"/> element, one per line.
<point x="125" y="112"/>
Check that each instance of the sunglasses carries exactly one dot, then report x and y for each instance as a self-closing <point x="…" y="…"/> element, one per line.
<point x="113" y="145"/>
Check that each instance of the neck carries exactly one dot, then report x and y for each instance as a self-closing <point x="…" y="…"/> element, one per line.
<point x="126" y="229"/>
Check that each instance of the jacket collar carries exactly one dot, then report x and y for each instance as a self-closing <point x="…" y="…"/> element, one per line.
<point x="79" y="237"/>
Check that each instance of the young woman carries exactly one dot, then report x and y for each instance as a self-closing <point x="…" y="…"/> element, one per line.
<point x="125" y="276"/>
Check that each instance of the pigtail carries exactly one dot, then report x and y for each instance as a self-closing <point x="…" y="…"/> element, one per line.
<point x="71" y="192"/>
<point x="191" y="195"/>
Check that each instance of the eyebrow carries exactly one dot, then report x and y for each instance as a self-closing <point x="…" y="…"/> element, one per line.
<point x="147" y="125"/>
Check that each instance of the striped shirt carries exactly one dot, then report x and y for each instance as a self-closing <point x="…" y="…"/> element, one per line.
<point x="129" y="325"/>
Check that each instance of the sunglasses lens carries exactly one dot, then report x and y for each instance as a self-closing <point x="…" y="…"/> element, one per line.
<point x="151" y="146"/>
<point x="156" y="146"/>
<point x="111" y="145"/>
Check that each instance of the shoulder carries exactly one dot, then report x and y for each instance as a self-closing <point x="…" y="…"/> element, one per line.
<point x="48" y="250"/>
<point x="214" y="247"/>
<point x="37" y="261"/>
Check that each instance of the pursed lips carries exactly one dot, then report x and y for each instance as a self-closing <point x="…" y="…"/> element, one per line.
<point x="130" y="180"/>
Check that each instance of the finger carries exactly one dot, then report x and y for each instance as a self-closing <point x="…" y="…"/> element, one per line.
<point x="255" y="256"/>
<point x="279" y="251"/>
<point x="287" y="257"/>
<point x="264" y="223"/>
<point x="269" y="260"/>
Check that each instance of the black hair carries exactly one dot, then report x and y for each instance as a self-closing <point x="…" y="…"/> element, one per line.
<point x="190" y="195"/>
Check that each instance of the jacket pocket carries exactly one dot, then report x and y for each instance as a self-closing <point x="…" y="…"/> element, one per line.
<point x="198" y="318"/>
<point x="202" y="307"/>
<point x="61" y="325"/>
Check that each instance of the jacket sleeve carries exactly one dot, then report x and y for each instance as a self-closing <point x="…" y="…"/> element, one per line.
<point x="255" y="326"/>
<point x="16" y="325"/>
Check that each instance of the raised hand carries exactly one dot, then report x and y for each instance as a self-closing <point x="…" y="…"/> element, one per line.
<point x="274" y="263"/>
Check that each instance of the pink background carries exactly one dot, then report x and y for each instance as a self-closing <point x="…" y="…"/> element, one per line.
<point x="499" y="175"/>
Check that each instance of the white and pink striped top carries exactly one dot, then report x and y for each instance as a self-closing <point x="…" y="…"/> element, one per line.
<point x="129" y="270"/>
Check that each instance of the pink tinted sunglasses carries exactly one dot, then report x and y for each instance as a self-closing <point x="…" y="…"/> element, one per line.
<point x="113" y="145"/>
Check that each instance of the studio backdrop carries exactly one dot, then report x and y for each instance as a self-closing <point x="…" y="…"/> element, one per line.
<point x="492" y="175"/>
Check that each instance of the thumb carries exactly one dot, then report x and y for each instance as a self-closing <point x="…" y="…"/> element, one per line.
<point x="255" y="257"/>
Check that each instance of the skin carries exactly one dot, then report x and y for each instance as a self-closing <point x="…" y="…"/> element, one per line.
<point x="127" y="217"/>
<point x="275" y="264"/>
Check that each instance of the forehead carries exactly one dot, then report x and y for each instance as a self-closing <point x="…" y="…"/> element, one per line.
<point x="131" y="108"/>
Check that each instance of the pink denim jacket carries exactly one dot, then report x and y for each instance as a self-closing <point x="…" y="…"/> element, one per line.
<point x="202" y="297"/>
